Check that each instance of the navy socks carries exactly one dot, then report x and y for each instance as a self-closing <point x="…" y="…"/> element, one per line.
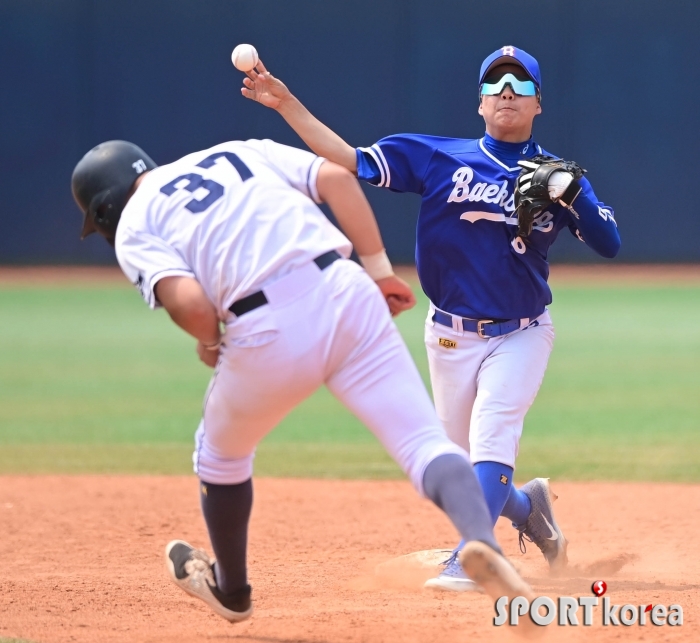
<point x="226" y="510"/>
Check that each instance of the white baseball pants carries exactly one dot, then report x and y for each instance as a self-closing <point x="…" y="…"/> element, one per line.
<point x="327" y="327"/>
<point x="484" y="387"/>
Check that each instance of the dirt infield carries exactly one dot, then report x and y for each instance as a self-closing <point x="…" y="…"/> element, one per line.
<point x="613" y="274"/>
<point x="82" y="562"/>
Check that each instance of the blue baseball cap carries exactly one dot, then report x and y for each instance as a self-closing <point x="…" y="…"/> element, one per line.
<point x="512" y="55"/>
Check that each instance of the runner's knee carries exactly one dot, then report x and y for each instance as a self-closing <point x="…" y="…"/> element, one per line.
<point x="217" y="470"/>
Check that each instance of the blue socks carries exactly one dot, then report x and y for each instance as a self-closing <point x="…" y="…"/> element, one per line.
<point x="496" y="482"/>
<point x="502" y="498"/>
<point x="517" y="507"/>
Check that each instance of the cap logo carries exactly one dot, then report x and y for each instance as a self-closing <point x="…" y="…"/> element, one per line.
<point x="508" y="51"/>
<point x="139" y="166"/>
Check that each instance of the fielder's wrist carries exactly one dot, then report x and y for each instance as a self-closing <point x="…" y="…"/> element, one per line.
<point x="377" y="265"/>
<point x="288" y="104"/>
<point x="569" y="196"/>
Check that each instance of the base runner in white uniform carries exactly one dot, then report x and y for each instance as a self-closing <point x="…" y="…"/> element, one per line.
<point x="231" y="243"/>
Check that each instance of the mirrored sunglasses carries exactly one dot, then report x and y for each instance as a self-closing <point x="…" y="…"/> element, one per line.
<point x="519" y="87"/>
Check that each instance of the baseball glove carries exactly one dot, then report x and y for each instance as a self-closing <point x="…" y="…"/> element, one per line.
<point x="536" y="188"/>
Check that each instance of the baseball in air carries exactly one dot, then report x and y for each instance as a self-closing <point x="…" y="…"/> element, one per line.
<point x="244" y="57"/>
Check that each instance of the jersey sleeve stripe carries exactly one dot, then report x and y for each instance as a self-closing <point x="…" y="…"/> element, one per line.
<point x="386" y="165"/>
<point x="382" y="174"/>
<point x="312" y="178"/>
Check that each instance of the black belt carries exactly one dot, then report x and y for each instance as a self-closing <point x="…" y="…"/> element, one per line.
<point x="257" y="299"/>
<point x="484" y="328"/>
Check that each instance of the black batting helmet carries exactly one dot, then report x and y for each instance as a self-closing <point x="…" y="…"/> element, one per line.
<point x="101" y="183"/>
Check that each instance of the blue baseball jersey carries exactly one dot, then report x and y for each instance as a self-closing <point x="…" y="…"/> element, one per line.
<point x="470" y="259"/>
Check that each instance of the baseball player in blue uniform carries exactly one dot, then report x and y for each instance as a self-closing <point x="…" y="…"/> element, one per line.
<point x="231" y="242"/>
<point x="491" y="208"/>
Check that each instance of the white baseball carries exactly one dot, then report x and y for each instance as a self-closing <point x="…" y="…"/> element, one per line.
<point x="557" y="184"/>
<point x="244" y="57"/>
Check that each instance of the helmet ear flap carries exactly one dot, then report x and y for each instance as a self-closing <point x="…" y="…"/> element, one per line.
<point x="90" y="219"/>
<point x="104" y="212"/>
<point x="88" y="226"/>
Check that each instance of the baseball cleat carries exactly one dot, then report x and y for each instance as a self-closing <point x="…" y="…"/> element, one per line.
<point x="498" y="578"/>
<point x="452" y="578"/>
<point x="191" y="569"/>
<point x="541" y="527"/>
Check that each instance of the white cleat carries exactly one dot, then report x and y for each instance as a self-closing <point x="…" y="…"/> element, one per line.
<point x="452" y="578"/>
<point x="191" y="570"/>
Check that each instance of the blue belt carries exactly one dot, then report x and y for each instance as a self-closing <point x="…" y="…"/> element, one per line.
<point x="484" y="328"/>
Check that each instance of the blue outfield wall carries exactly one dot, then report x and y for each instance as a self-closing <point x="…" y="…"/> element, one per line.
<point x="620" y="96"/>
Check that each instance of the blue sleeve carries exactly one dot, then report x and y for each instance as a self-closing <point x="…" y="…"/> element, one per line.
<point x="594" y="222"/>
<point x="396" y="162"/>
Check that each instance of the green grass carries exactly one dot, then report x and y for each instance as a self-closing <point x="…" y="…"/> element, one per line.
<point x="91" y="381"/>
<point x="621" y="396"/>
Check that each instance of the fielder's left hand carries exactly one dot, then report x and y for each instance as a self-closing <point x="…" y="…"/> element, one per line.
<point x="398" y="294"/>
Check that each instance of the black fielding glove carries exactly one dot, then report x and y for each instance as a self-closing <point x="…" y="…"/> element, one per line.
<point x="533" y="192"/>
